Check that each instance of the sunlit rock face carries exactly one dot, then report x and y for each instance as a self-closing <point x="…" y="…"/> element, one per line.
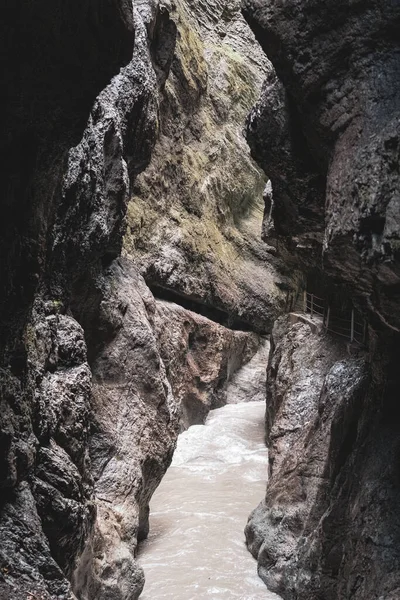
<point x="326" y="131"/>
<point x="195" y="215"/>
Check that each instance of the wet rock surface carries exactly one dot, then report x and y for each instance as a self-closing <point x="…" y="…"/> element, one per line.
<point x="195" y="215"/>
<point x="89" y="418"/>
<point x="201" y="357"/>
<point x="327" y="527"/>
<point x="65" y="215"/>
<point x="326" y="131"/>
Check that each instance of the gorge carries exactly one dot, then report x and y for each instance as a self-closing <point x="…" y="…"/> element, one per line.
<point x="148" y="252"/>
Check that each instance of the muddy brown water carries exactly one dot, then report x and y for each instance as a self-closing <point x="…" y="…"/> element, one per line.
<point x="196" y="547"/>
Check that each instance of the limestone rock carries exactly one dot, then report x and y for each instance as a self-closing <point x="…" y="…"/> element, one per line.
<point x="327" y="133"/>
<point x="195" y="215"/>
<point x="55" y="59"/>
<point x="53" y="502"/>
<point x="327" y="527"/>
<point x="249" y="383"/>
<point x="157" y="368"/>
<point x="134" y="431"/>
<point x="28" y="567"/>
<point x="200" y="357"/>
<point x="65" y="217"/>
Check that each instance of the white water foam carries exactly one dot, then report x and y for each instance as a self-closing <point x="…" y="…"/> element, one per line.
<point x="196" y="547"/>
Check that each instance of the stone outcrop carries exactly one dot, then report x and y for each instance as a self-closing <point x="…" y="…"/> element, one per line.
<point x="64" y="208"/>
<point x="326" y="131"/>
<point x="159" y="369"/>
<point x="195" y="215"/>
<point x="249" y="383"/>
<point x="49" y="498"/>
<point x="55" y="60"/>
<point x="135" y="422"/>
<point x="201" y="357"/>
<point x="328" y="526"/>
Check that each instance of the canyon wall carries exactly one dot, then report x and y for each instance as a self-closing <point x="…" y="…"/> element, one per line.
<point x="98" y="376"/>
<point x="326" y="131"/>
<point x="195" y="215"/>
<point x="46" y="500"/>
<point x="122" y="133"/>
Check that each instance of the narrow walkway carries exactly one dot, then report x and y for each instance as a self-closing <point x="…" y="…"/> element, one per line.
<point x="343" y="321"/>
<point x="196" y="549"/>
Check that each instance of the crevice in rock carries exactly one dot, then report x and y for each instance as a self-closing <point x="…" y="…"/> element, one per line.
<point x="211" y="312"/>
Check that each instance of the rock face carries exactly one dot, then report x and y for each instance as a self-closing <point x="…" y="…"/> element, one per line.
<point x="134" y="430"/>
<point x="50" y="91"/>
<point x="328" y="527"/>
<point x="326" y="131"/>
<point x="161" y="369"/>
<point x="201" y="357"/>
<point x="50" y="503"/>
<point x="194" y="220"/>
<point x="63" y="210"/>
<point x="249" y="383"/>
<point x="97" y="377"/>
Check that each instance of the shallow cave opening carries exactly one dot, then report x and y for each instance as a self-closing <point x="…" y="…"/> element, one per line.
<point x="213" y="313"/>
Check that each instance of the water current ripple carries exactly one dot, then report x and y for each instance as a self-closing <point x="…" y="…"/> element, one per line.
<point x="196" y="546"/>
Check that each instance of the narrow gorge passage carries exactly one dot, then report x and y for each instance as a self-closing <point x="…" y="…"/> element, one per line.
<point x="196" y="547"/>
<point x="176" y="176"/>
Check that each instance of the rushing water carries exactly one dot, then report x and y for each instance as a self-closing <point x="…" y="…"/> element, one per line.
<point x="196" y="546"/>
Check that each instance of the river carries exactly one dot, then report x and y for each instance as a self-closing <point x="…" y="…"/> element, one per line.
<point x="196" y="547"/>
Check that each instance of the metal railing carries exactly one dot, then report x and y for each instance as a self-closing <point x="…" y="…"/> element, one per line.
<point x="353" y="328"/>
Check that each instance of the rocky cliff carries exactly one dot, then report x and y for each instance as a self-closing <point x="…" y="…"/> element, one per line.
<point x="131" y="115"/>
<point x="326" y="131"/>
<point x="98" y="377"/>
<point x="63" y="207"/>
<point x="194" y="219"/>
<point x="328" y="527"/>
